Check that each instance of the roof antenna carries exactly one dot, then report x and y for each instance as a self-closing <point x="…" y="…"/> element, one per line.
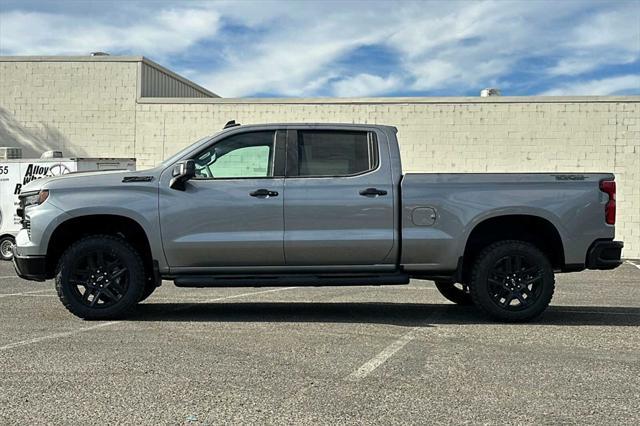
<point x="231" y="123"/>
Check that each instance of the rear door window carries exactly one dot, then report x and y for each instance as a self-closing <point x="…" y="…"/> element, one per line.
<point x="335" y="153"/>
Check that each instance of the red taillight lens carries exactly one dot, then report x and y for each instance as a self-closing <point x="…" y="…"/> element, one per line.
<point x="609" y="187"/>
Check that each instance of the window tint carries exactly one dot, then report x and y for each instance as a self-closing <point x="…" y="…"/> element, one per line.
<point x="335" y="153"/>
<point x="238" y="156"/>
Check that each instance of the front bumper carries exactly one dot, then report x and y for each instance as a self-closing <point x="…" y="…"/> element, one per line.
<point x="30" y="267"/>
<point x="604" y="254"/>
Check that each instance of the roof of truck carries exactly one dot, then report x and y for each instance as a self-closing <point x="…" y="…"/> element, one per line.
<point x="330" y="125"/>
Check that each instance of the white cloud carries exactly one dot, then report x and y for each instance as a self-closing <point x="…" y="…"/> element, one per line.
<point x="610" y="28"/>
<point x="466" y="46"/>
<point x="291" y="70"/>
<point x="165" y="32"/>
<point x="604" y="86"/>
<point x="609" y="37"/>
<point x="574" y="66"/>
<point x="479" y="43"/>
<point x="297" y="48"/>
<point x="303" y="44"/>
<point x="365" y="85"/>
<point x="303" y="48"/>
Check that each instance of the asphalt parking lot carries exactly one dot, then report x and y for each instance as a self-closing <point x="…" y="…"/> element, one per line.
<point x="383" y="355"/>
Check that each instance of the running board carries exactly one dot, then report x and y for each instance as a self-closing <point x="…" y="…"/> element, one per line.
<point x="289" y="280"/>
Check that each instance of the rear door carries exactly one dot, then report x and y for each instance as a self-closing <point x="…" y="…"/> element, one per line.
<point x="339" y="207"/>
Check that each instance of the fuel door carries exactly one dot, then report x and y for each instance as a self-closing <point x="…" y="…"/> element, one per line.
<point x="424" y="216"/>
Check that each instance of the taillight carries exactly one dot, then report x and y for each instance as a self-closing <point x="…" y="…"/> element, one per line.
<point x="609" y="187"/>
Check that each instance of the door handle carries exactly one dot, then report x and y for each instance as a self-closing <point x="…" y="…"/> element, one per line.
<point x="263" y="193"/>
<point x="372" y="192"/>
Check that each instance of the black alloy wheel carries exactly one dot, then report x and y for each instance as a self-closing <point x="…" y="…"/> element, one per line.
<point x="515" y="282"/>
<point x="512" y="281"/>
<point x="100" y="277"/>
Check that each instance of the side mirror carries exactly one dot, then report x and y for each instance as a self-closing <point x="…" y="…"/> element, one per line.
<point x="182" y="172"/>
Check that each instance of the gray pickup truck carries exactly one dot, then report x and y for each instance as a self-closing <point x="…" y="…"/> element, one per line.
<point x="312" y="205"/>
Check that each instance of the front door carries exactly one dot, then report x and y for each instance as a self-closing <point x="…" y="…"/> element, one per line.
<point x="231" y="213"/>
<point x="339" y="206"/>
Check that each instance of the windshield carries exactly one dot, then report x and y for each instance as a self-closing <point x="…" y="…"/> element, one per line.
<point x="182" y="152"/>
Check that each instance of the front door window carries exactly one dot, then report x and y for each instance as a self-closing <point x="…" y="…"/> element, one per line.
<point x="240" y="156"/>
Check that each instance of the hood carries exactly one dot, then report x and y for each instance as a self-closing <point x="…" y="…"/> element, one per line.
<point x="97" y="177"/>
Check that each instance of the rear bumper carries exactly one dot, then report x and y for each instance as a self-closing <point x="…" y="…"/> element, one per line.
<point x="30" y="267"/>
<point x="604" y="254"/>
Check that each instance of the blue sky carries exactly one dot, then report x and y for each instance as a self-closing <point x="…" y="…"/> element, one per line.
<point x="351" y="48"/>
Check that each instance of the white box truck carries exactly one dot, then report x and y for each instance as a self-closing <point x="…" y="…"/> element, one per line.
<point x="16" y="173"/>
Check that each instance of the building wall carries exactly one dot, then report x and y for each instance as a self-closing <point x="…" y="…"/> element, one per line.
<point x="80" y="108"/>
<point x="92" y="108"/>
<point x="157" y="82"/>
<point x="464" y="135"/>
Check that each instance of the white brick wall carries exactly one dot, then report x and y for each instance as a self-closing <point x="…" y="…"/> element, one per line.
<point x="469" y="135"/>
<point x="80" y="108"/>
<point x="90" y="108"/>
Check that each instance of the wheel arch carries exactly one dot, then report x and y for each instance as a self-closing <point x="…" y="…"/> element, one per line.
<point x="535" y="229"/>
<point x="77" y="227"/>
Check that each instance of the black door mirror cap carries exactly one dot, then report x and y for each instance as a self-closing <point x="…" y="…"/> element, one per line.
<point x="182" y="172"/>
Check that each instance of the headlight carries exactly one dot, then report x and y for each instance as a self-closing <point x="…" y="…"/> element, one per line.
<point x="34" y="199"/>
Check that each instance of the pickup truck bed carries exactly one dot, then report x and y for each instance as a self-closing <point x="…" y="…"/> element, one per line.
<point x="435" y="233"/>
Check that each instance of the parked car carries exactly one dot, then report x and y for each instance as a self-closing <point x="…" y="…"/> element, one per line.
<point x="318" y="205"/>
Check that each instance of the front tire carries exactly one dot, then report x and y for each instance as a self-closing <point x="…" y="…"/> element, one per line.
<point x="100" y="277"/>
<point x="512" y="281"/>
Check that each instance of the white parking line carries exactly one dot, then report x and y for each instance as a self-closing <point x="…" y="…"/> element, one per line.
<point x="401" y="287"/>
<point x="106" y="324"/>
<point x="390" y="350"/>
<point x="9" y="276"/>
<point x="25" y="293"/>
<point x="234" y="296"/>
<point x="578" y="311"/>
<point x="634" y="264"/>
<point x="379" y="359"/>
<point x="273" y="290"/>
<point x="55" y="336"/>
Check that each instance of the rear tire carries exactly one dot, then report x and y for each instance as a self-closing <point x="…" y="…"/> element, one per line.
<point x="512" y="281"/>
<point x="6" y="245"/>
<point x="451" y="291"/>
<point x="100" y="277"/>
